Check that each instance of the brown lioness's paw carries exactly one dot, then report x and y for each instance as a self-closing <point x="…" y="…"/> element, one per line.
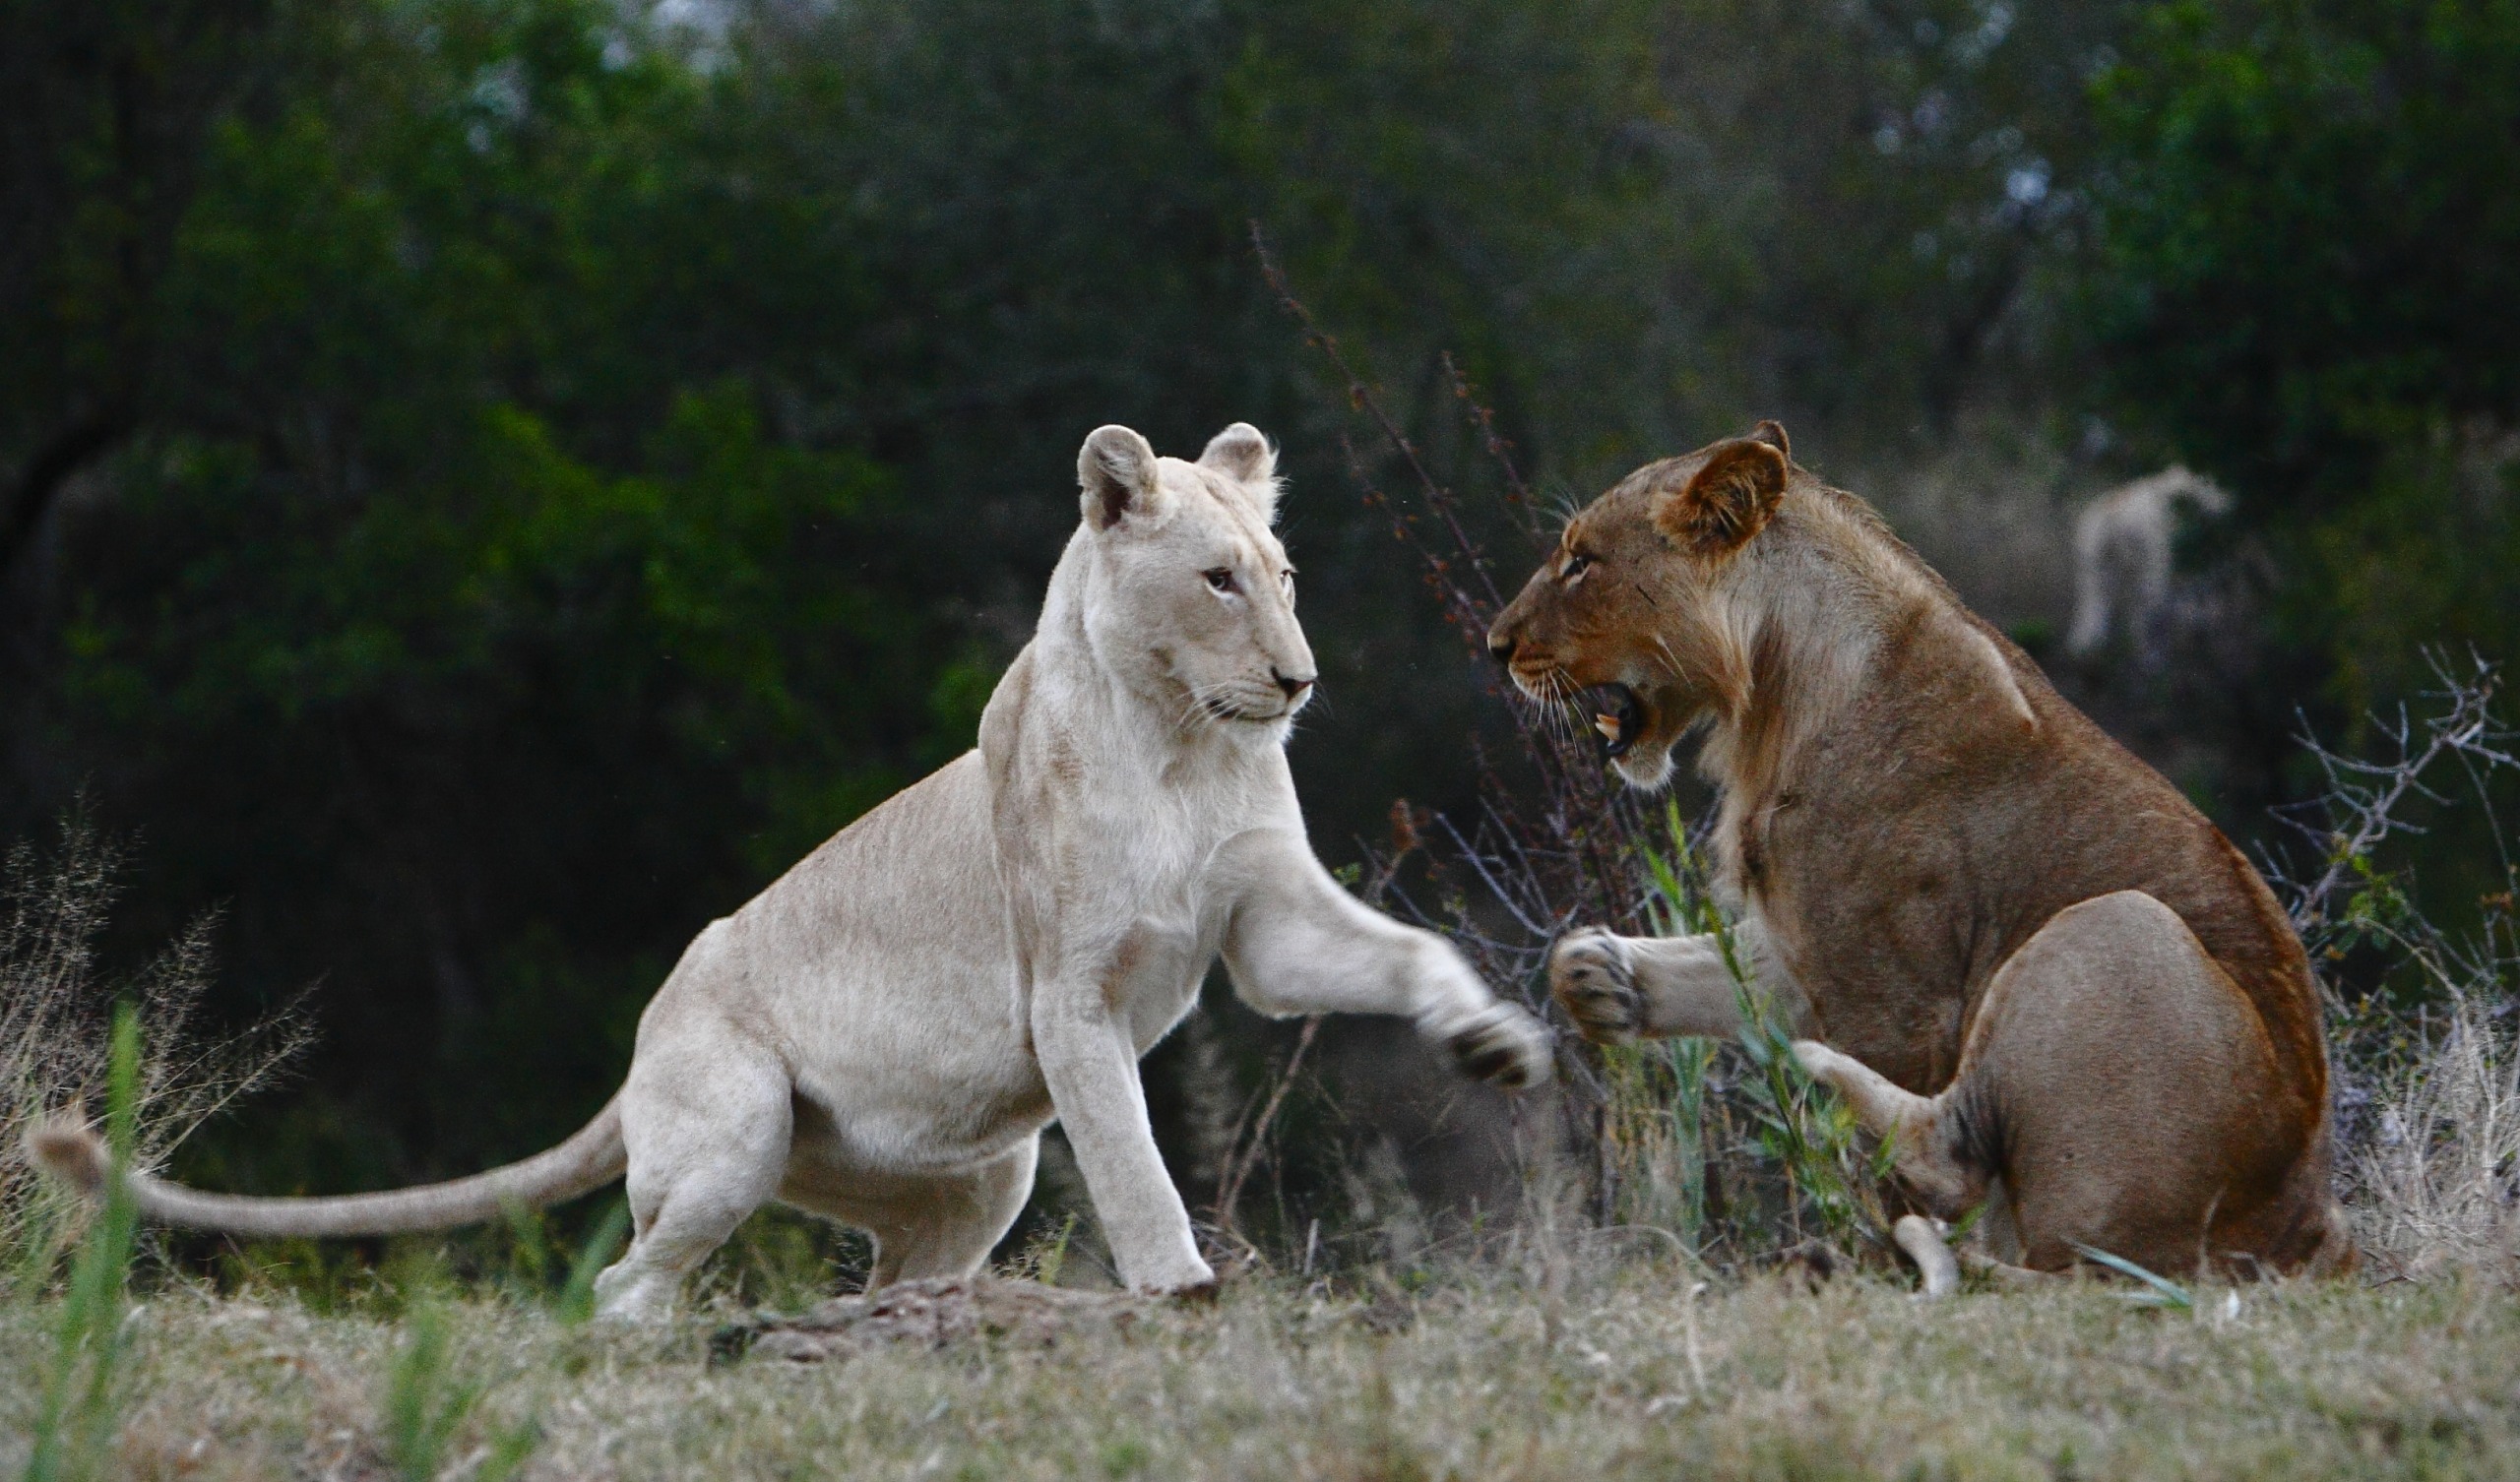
<point x="1591" y="978"/>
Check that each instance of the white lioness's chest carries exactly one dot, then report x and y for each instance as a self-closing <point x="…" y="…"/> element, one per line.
<point x="1129" y="862"/>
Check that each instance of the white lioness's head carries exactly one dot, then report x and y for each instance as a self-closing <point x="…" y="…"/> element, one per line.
<point x="1188" y="595"/>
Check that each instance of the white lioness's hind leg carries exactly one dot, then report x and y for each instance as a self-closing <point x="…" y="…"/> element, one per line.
<point x="707" y="1134"/>
<point x="949" y="1233"/>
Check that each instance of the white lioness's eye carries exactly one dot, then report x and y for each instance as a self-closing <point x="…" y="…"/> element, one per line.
<point x="1221" y="578"/>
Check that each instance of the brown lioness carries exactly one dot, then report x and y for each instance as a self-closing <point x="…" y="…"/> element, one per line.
<point x="2034" y="967"/>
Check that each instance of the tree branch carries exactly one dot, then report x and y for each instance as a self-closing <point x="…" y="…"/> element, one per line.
<point x="41" y="484"/>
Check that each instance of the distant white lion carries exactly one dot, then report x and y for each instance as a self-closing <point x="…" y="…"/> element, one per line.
<point x="2122" y="560"/>
<point x="881" y="1035"/>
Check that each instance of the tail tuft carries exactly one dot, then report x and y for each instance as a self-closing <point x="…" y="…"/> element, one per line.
<point x="70" y="1152"/>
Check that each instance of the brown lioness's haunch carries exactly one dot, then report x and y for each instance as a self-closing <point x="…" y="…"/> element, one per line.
<point x="2024" y="959"/>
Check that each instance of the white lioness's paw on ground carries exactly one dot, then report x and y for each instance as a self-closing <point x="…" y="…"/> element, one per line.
<point x="1502" y="1044"/>
<point x="1590" y="976"/>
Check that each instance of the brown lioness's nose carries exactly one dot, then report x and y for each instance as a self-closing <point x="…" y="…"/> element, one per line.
<point x="1500" y="646"/>
<point x="1291" y="684"/>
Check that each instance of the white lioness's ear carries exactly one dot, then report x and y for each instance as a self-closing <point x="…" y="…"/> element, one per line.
<point x="1242" y="454"/>
<point x="1115" y="470"/>
<point x="1728" y="500"/>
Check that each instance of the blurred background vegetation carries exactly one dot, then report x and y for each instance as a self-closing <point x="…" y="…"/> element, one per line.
<point x="486" y="484"/>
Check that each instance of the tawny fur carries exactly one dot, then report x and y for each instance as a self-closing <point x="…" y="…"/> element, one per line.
<point x="882" y="1034"/>
<point x="2036" y="968"/>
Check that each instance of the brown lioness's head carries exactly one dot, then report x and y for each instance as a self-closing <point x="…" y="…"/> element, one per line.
<point x="1628" y="621"/>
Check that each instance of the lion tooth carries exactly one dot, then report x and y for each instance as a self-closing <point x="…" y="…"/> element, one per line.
<point x="1608" y="725"/>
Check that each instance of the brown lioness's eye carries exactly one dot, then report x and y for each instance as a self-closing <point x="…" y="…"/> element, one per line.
<point x="1577" y="563"/>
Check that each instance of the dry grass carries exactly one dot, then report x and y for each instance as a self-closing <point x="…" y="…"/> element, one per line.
<point x="2438" y="1176"/>
<point x="55" y="1003"/>
<point x="1463" y="1381"/>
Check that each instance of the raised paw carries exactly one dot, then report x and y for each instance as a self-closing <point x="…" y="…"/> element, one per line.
<point x="1502" y="1044"/>
<point x="1590" y="976"/>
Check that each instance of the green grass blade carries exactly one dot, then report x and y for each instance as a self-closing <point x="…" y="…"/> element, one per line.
<point x="576" y="1298"/>
<point x="79" y="1418"/>
<point x="2165" y="1293"/>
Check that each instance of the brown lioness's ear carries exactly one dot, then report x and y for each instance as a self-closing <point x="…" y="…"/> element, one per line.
<point x="1727" y="501"/>
<point x="1772" y="432"/>
<point x="1115" y="471"/>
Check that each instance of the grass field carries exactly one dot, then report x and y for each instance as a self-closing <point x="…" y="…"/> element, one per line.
<point x="1477" y="1375"/>
<point x="1563" y="1351"/>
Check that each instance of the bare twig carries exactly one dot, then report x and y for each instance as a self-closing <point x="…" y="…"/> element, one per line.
<point x="1229" y="1193"/>
<point x="2361" y="808"/>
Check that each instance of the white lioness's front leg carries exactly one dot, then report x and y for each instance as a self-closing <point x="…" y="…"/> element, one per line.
<point x="1620" y="988"/>
<point x="1090" y="1066"/>
<point x="1299" y="944"/>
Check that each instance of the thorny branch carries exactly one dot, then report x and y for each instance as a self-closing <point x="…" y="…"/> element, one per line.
<point x="2359" y="808"/>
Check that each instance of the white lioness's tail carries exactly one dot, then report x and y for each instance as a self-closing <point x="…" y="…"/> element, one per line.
<point x="592" y="1157"/>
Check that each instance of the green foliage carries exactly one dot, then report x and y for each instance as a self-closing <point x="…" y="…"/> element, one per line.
<point x="1808" y="1136"/>
<point x="2308" y="254"/>
<point x="81" y="1403"/>
<point x="576" y="1302"/>
<point x="2379" y="137"/>
<point x="465" y="613"/>
<point x="103" y="110"/>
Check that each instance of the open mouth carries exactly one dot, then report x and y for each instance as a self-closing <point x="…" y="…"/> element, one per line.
<point x="1616" y="714"/>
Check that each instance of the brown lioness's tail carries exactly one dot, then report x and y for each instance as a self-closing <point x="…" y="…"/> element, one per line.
<point x="592" y="1157"/>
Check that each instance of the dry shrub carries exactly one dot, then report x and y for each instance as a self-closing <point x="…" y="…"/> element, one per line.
<point x="2425" y="1056"/>
<point x="2435" y="1183"/>
<point x="57" y="1009"/>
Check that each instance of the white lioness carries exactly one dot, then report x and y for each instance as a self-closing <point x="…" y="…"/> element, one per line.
<point x="881" y="1035"/>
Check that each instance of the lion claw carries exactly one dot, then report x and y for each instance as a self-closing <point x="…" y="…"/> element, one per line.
<point x="1590" y="976"/>
<point x="1503" y="1045"/>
